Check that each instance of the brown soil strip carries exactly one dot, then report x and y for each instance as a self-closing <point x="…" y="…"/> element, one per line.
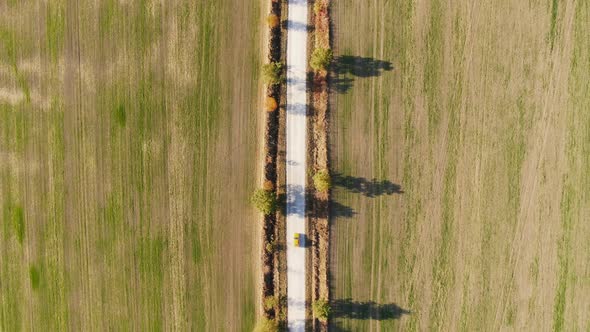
<point x="281" y="226"/>
<point x="319" y="203"/>
<point x="271" y="256"/>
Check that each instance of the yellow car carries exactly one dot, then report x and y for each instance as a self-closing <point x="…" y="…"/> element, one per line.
<point x="296" y="240"/>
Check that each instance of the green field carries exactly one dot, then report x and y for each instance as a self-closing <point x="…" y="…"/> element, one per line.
<point x="129" y="144"/>
<point x="461" y="154"/>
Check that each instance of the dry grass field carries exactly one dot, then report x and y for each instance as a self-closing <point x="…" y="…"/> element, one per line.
<point x="129" y="144"/>
<point x="461" y="148"/>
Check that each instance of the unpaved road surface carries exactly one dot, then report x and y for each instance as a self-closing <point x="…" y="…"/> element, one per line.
<point x="296" y="155"/>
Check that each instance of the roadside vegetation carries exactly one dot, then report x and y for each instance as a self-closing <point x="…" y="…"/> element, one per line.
<point x="271" y="104"/>
<point x="267" y="325"/>
<point x="270" y="302"/>
<point x="319" y="231"/>
<point x="322" y="181"/>
<point x="321" y="310"/>
<point x="273" y="73"/>
<point x="265" y="201"/>
<point x="273" y="21"/>
<point x="321" y="58"/>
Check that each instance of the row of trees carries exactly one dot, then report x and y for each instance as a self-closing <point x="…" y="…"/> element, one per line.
<point x="274" y="73"/>
<point x="265" y="200"/>
<point x="321" y="309"/>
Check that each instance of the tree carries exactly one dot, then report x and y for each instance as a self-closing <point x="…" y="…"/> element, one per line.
<point x="272" y="73"/>
<point x="273" y="21"/>
<point x="265" y="201"/>
<point x="271" y="104"/>
<point x="266" y="325"/>
<point x="321" y="58"/>
<point x="322" y="180"/>
<point x="321" y="309"/>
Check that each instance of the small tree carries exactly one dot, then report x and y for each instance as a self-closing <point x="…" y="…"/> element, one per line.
<point x="272" y="73"/>
<point x="271" y="104"/>
<point x="273" y="21"/>
<point x="321" y="309"/>
<point x="321" y="58"/>
<point x="322" y="180"/>
<point x="266" y="325"/>
<point x="265" y="201"/>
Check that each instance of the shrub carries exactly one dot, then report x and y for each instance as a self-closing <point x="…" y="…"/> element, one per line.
<point x="322" y="181"/>
<point x="321" y="58"/>
<point x="321" y="309"/>
<point x="270" y="302"/>
<point x="268" y="185"/>
<point x="271" y="104"/>
<point x="266" y="325"/>
<point x="265" y="201"/>
<point x="272" y="20"/>
<point x="272" y="73"/>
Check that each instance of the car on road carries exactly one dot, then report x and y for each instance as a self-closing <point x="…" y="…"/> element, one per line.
<point x="298" y="239"/>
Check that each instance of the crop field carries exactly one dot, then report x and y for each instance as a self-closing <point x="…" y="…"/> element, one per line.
<point x="460" y="147"/>
<point x="129" y="147"/>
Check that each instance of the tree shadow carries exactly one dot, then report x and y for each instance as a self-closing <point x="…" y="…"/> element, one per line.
<point x="295" y="198"/>
<point x="339" y="210"/>
<point x="297" y="26"/>
<point x="336" y="327"/>
<point x="369" y="188"/>
<point x="345" y="66"/>
<point x="290" y="201"/>
<point x="347" y="308"/>
<point x="297" y="109"/>
<point x="295" y="84"/>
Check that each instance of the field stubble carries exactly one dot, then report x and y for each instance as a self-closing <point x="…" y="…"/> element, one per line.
<point x="476" y="115"/>
<point x="128" y="140"/>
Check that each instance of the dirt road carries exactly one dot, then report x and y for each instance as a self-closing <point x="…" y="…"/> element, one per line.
<point x="296" y="155"/>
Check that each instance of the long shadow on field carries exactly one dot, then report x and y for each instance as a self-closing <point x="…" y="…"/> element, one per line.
<point x="346" y="67"/>
<point x="347" y="308"/>
<point x="336" y="327"/>
<point x="366" y="187"/>
<point x="341" y="210"/>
